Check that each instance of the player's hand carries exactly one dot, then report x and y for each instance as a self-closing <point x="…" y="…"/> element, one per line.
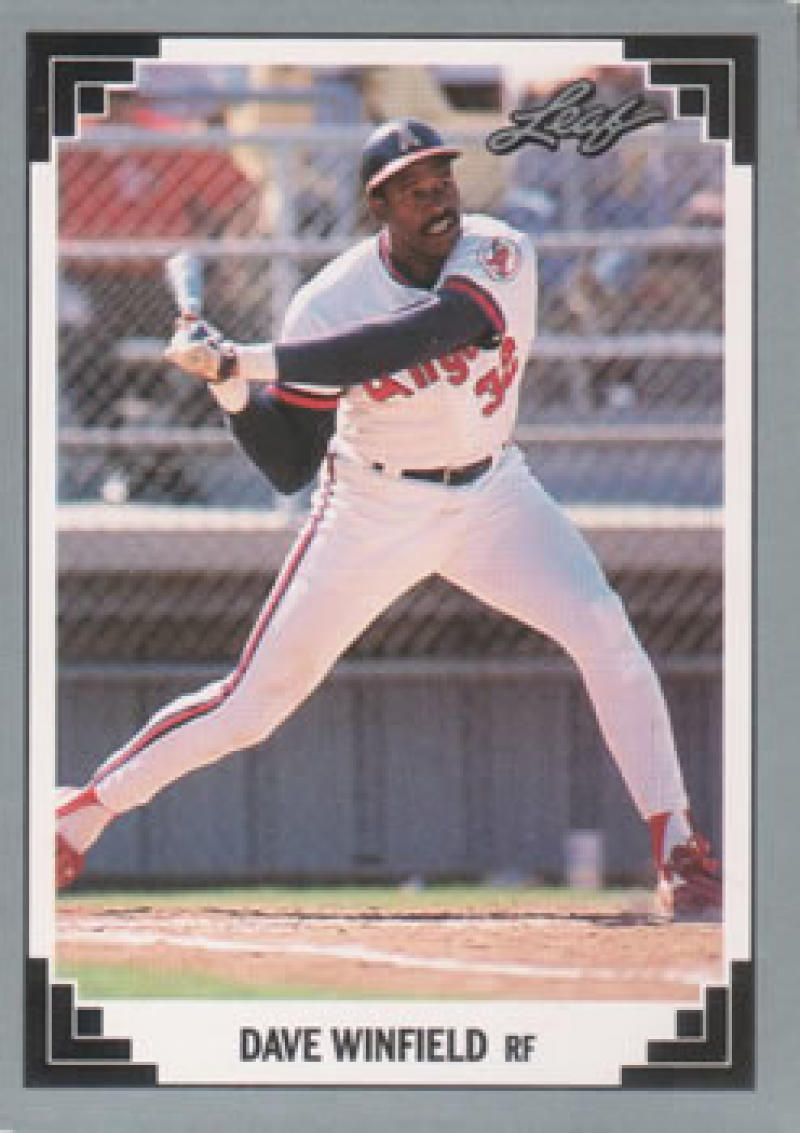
<point x="199" y="349"/>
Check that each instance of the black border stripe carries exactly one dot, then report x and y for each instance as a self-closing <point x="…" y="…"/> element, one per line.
<point x="43" y="48"/>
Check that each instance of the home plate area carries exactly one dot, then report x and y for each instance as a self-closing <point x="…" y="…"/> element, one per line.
<point x="426" y="953"/>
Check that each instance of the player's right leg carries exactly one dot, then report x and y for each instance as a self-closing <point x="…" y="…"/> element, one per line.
<point x="353" y="558"/>
<point x="522" y="555"/>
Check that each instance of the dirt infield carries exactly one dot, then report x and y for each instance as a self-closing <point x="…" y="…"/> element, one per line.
<point x="525" y="953"/>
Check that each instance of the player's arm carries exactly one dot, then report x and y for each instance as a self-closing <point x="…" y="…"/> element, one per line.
<point x="448" y="320"/>
<point x="286" y="442"/>
<point x="284" y="434"/>
<point x="453" y="317"/>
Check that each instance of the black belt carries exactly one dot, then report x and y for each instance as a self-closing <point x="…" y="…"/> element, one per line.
<point x="455" y="477"/>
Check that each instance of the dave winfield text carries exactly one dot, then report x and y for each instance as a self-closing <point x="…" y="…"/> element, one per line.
<point x="363" y="1044"/>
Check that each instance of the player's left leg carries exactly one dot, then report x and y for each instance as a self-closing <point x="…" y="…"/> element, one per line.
<point x="358" y="551"/>
<point x="519" y="552"/>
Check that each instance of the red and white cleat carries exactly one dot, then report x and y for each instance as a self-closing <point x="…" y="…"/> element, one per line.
<point x="69" y="863"/>
<point x="689" y="886"/>
<point x="80" y="819"/>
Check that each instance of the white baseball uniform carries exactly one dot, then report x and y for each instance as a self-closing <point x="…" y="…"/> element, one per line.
<point x="373" y="532"/>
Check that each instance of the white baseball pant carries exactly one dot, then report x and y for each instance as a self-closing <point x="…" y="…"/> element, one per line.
<point x="370" y="538"/>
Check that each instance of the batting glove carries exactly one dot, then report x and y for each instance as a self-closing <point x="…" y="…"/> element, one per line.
<point x="199" y="349"/>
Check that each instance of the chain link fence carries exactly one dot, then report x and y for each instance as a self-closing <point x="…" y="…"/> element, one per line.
<point x="621" y="405"/>
<point x="168" y="540"/>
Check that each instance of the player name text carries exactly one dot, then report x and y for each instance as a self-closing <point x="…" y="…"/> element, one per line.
<point x="362" y="1044"/>
<point x="595" y="127"/>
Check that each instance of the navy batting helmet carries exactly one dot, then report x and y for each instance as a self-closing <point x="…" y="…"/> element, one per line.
<point x="397" y="144"/>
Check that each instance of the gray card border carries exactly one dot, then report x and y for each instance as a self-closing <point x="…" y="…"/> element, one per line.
<point x="772" y="1103"/>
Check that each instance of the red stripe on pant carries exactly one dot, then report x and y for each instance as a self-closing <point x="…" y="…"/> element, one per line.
<point x="196" y="711"/>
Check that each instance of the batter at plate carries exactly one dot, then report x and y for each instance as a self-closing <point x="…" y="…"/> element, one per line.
<point x="398" y="372"/>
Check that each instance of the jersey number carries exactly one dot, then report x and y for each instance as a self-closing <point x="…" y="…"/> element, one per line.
<point x="454" y="368"/>
<point x="496" y="381"/>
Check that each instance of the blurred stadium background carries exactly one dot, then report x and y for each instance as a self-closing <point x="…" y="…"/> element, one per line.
<point x="449" y="742"/>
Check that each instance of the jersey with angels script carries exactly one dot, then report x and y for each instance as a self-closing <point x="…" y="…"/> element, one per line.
<point x="453" y="409"/>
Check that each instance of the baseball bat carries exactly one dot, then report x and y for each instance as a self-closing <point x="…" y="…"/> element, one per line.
<point x="184" y="273"/>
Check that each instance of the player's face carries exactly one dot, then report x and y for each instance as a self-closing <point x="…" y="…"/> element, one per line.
<point x="421" y="207"/>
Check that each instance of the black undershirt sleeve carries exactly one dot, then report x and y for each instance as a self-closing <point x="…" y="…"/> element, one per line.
<point x="285" y="442"/>
<point x="436" y="326"/>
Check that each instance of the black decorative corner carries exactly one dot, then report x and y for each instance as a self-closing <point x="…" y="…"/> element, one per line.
<point x="721" y="68"/>
<point x="713" y="1049"/>
<point x="692" y="102"/>
<point x="91" y="99"/>
<point x="66" y="76"/>
<point x="714" y="77"/>
<point x="64" y="1044"/>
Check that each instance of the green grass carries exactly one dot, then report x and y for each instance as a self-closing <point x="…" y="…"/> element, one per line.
<point x="109" y="980"/>
<point x="388" y="898"/>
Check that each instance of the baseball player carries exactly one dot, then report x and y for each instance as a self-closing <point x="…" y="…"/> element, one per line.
<point x="399" y="369"/>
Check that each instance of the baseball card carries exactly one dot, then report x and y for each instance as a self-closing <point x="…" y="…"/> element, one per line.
<point x="390" y="559"/>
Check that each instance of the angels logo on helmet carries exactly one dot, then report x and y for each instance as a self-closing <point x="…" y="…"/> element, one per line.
<point x="500" y="257"/>
<point x="407" y="140"/>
